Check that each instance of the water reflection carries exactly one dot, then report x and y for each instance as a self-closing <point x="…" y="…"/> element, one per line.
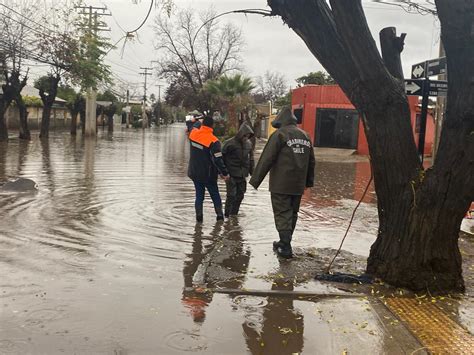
<point x="3" y="160"/>
<point x="47" y="169"/>
<point x="222" y="263"/>
<point x="111" y="229"/>
<point x="336" y="181"/>
<point x="282" y="326"/>
<point x="22" y="156"/>
<point x="195" y="302"/>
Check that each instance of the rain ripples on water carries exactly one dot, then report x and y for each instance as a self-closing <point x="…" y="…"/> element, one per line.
<point x="103" y="256"/>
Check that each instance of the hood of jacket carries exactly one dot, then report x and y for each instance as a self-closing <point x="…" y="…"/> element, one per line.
<point x="284" y="118"/>
<point x="244" y="129"/>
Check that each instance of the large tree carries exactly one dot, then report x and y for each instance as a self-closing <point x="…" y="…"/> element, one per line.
<point x="18" y="46"/>
<point x="193" y="49"/>
<point x="420" y="210"/>
<point x="60" y="48"/>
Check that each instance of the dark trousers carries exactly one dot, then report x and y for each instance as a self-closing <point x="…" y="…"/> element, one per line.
<point x="213" y="190"/>
<point x="285" y="211"/>
<point x="236" y="188"/>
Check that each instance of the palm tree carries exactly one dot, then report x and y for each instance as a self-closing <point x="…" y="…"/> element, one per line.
<point x="233" y="92"/>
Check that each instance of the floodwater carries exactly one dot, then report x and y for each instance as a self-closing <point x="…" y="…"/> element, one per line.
<point x="103" y="258"/>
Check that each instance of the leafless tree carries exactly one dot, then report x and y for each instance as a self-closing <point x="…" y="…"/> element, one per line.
<point x="271" y="86"/>
<point x="194" y="48"/>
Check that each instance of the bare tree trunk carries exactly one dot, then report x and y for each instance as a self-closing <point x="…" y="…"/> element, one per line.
<point x="48" y="102"/>
<point x="420" y="211"/>
<point x="110" y="123"/>
<point x="24" y="131"/>
<point x="44" y="131"/>
<point x="233" y="124"/>
<point x="74" y="123"/>
<point x="12" y="92"/>
<point x="82" y="115"/>
<point x="3" y="123"/>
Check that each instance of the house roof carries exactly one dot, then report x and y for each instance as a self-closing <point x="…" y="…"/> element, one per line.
<point x="104" y="103"/>
<point x="32" y="91"/>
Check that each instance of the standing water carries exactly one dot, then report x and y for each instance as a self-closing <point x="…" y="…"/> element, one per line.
<point x="102" y="258"/>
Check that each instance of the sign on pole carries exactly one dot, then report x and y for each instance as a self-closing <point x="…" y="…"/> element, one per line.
<point x="436" y="66"/>
<point x="414" y="87"/>
<point x="418" y="70"/>
<point x="424" y="88"/>
<point x="438" y="88"/>
<point x="429" y="68"/>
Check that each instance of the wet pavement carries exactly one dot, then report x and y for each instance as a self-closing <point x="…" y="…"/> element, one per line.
<point x="105" y="257"/>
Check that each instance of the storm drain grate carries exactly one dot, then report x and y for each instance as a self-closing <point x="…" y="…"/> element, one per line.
<point x="436" y="331"/>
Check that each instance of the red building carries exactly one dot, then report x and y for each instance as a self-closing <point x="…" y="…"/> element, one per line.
<point x="325" y="112"/>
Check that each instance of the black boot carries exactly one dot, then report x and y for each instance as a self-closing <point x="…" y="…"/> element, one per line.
<point x="199" y="215"/>
<point x="277" y="244"/>
<point x="219" y="213"/>
<point x="284" y="248"/>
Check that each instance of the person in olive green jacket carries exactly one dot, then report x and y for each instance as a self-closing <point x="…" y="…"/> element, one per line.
<point x="289" y="156"/>
<point x="238" y="158"/>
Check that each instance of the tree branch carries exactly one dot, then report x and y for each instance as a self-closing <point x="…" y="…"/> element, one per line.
<point x="392" y="46"/>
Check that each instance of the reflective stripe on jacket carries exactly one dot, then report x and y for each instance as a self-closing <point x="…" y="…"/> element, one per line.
<point x="205" y="161"/>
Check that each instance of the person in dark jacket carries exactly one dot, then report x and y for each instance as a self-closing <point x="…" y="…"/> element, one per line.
<point x="289" y="157"/>
<point x="205" y="164"/>
<point x="238" y="158"/>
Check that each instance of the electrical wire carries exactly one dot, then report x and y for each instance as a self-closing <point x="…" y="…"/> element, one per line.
<point x="25" y="17"/>
<point x="146" y="18"/>
<point x="328" y="269"/>
<point x="410" y="6"/>
<point x="122" y="66"/>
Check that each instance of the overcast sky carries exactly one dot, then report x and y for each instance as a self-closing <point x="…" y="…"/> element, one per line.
<point x="270" y="45"/>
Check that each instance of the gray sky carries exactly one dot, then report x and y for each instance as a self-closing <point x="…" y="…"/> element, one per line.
<point x="270" y="45"/>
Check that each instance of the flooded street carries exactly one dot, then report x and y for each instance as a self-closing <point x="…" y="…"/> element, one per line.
<point x="104" y="256"/>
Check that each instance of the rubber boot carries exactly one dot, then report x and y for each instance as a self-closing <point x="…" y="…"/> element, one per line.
<point x="199" y="215"/>
<point x="227" y="208"/>
<point x="219" y="213"/>
<point x="284" y="249"/>
<point x="236" y="206"/>
<point x="277" y="244"/>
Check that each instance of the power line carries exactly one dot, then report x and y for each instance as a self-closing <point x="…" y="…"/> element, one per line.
<point x="29" y="19"/>
<point x="146" y="18"/>
<point x="29" y="27"/>
<point x="129" y="34"/>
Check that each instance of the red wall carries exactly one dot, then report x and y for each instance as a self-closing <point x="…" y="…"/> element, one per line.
<point x="312" y="97"/>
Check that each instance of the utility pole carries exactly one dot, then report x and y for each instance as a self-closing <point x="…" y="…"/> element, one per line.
<point x="159" y="103"/>
<point x="144" y="116"/>
<point x="93" y="26"/>
<point x="127" y="112"/>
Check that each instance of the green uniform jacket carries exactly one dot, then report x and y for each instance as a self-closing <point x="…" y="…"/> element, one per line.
<point x="238" y="154"/>
<point x="289" y="156"/>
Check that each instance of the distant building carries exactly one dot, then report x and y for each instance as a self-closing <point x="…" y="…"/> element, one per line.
<point x="60" y="116"/>
<point x="325" y="112"/>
